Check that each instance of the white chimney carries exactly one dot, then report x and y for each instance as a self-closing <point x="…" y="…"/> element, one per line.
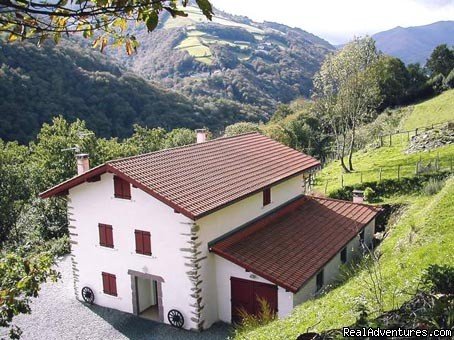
<point x="201" y="135"/>
<point x="83" y="163"/>
<point x="358" y="196"/>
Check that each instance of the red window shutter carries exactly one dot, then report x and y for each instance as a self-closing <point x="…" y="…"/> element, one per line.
<point x="102" y="234"/>
<point x="109" y="236"/>
<point x="118" y="187"/>
<point x="126" y="190"/>
<point x="146" y="237"/>
<point x="105" y="283"/>
<point x="266" y="196"/>
<point x="113" y="284"/>
<point x="139" y="242"/>
<point x="122" y="188"/>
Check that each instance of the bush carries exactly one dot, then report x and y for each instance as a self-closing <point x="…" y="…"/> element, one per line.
<point x="449" y="81"/>
<point x="440" y="279"/>
<point x="252" y="321"/>
<point x="369" y="194"/>
<point x="433" y="186"/>
<point x="389" y="187"/>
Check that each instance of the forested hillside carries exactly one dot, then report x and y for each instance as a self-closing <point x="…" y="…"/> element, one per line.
<point x="231" y="57"/>
<point x="37" y="84"/>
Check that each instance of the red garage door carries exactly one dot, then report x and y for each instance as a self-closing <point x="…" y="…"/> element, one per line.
<point x="245" y="294"/>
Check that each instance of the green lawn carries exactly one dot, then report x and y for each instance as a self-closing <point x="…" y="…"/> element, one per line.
<point x="421" y="237"/>
<point x="368" y="162"/>
<point x="437" y="110"/>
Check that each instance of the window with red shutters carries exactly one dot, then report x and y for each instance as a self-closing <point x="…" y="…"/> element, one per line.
<point x="122" y="188"/>
<point x="109" y="284"/>
<point x="143" y="242"/>
<point x="105" y="235"/>
<point x="266" y="196"/>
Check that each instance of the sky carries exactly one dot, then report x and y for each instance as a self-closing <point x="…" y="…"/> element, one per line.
<point x="340" y="20"/>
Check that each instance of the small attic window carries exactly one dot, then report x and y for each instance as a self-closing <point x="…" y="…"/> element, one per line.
<point x="122" y="188"/>
<point x="266" y="196"/>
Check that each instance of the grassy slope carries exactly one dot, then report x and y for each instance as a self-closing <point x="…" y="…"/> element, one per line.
<point x="421" y="237"/>
<point x="437" y="110"/>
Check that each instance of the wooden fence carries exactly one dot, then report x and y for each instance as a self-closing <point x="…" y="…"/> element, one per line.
<point x="387" y="139"/>
<point x="432" y="165"/>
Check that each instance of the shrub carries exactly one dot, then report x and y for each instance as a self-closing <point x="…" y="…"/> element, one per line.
<point x="251" y="321"/>
<point x="369" y="194"/>
<point x="433" y="186"/>
<point x="449" y="80"/>
<point x="440" y="279"/>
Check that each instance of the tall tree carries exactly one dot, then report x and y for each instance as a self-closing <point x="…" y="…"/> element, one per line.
<point x="107" y="20"/>
<point x="441" y="60"/>
<point x="347" y="92"/>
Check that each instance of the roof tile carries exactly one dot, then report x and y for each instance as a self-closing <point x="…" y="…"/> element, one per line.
<point x="293" y="243"/>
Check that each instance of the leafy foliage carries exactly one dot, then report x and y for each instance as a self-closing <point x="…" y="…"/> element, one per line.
<point x="441" y="61"/>
<point x="105" y="20"/>
<point x="20" y="280"/>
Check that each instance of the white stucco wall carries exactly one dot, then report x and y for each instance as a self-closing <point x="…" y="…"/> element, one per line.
<point x="93" y="203"/>
<point x="331" y="269"/>
<point x="221" y="222"/>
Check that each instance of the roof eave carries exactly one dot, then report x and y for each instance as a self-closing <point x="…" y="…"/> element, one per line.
<point x="208" y="212"/>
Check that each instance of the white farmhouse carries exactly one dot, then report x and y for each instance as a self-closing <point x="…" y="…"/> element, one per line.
<point x="189" y="235"/>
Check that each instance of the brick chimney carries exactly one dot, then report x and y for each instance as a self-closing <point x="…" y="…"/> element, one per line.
<point x="83" y="163"/>
<point x="201" y="135"/>
<point x="358" y="196"/>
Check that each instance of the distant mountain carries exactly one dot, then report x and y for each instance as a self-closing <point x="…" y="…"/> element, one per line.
<point x="37" y="84"/>
<point x="232" y="57"/>
<point x="415" y="44"/>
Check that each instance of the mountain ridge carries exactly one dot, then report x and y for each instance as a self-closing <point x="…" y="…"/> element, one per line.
<point x="415" y="44"/>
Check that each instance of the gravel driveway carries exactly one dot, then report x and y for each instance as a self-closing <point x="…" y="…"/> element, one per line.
<point x="56" y="314"/>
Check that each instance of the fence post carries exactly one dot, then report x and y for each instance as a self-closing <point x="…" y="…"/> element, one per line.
<point x="398" y="172"/>
<point x="381" y="140"/>
<point x="416" y="131"/>
<point x="390" y="140"/>
<point x="361" y="174"/>
<point x="342" y="180"/>
<point x="326" y="186"/>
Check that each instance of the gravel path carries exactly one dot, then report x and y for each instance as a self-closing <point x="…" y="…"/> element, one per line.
<point x="56" y="314"/>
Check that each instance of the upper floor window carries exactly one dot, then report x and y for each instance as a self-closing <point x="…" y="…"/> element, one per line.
<point x="109" y="284"/>
<point x="344" y="255"/>
<point x="143" y="242"/>
<point x="266" y="196"/>
<point x="319" y="280"/>
<point x="122" y="188"/>
<point x="105" y="235"/>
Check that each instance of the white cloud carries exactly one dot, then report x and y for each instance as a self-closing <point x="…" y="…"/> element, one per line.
<point x="338" y="21"/>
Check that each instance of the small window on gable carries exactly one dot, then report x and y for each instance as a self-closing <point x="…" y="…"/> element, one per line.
<point x="122" y="188"/>
<point x="105" y="235"/>
<point x="266" y="196"/>
<point x="109" y="284"/>
<point x="344" y="255"/>
<point x="319" y="280"/>
<point x="143" y="242"/>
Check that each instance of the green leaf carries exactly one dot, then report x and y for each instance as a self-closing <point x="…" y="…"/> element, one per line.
<point x="152" y="21"/>
<point x="206" y="8"/>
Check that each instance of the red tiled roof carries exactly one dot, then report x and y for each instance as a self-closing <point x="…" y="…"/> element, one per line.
<point x="290" y="245"/>
<point x="200" y="178"/>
